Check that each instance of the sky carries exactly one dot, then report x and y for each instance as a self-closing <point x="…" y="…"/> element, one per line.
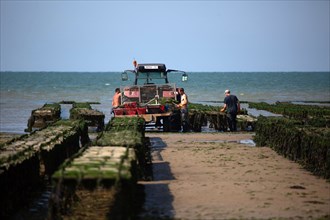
<point x="187" y="35"/>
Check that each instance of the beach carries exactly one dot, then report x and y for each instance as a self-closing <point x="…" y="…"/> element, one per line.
<point x="223" y="175"/>
<point x="213" y="176"/>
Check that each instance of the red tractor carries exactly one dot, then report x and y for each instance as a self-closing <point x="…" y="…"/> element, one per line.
<point x="151" y="97"/>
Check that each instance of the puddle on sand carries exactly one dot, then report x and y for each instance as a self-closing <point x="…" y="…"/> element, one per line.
<point x="248" y="142"/>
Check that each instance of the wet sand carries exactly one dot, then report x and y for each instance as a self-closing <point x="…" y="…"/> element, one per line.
<point x="211" y="176"/>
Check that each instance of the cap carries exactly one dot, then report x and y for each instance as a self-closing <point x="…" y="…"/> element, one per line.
<point x="227" y="91"/>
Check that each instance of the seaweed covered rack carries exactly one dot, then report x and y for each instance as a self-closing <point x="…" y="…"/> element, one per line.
<point x="52" y="112"/>
<point x="26" y="161"/>
<point x="302" y="134"/>
<point x="109" y="168"/>
<point x="207" y="117"/>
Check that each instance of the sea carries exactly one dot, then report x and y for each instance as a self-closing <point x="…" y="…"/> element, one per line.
<point x="22" y="92"/>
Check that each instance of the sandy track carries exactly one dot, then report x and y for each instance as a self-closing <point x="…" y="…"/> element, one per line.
<point x="211" y="176"/>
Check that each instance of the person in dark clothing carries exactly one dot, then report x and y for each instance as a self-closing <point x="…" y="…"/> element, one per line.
<point x="232" y="108"/>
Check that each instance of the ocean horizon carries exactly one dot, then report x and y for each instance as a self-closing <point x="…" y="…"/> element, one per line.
<point x="24" y="91"/>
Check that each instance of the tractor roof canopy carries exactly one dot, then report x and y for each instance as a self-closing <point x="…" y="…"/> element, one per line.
<point x="150" y="73"/>
<point x="151" y="67"/>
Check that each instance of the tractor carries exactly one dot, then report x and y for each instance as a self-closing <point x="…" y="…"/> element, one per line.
<point x="151" y="96"/>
